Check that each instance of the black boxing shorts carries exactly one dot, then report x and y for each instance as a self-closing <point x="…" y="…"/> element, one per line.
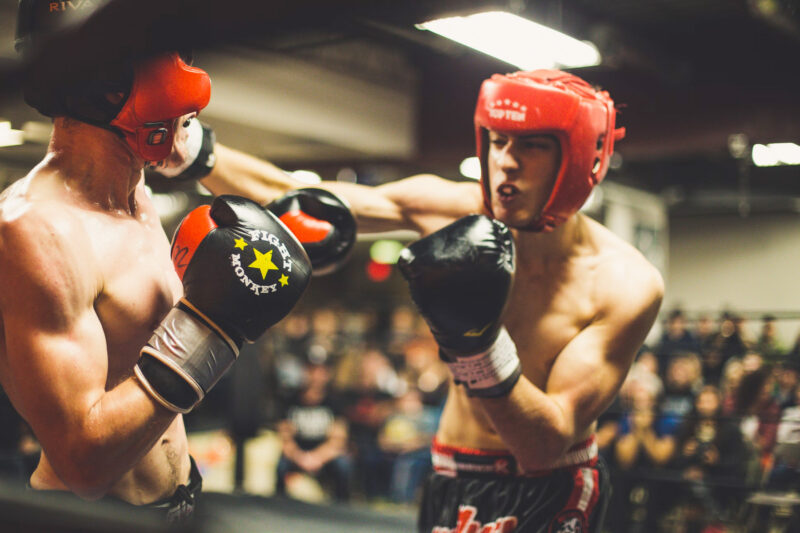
<point x="481" y="491"/>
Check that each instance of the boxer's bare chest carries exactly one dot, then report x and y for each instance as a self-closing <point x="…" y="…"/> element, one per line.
<point x="547" y="310"/>
<point x="138" y="282"/>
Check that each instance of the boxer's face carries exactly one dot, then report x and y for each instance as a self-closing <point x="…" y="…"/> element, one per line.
<point x="522" y="173"/>
<point x="179" y="148"/>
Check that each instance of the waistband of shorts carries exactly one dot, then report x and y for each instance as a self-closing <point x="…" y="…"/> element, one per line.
<point x="180" y="503"/>
<point x="456" y="461"/>
<point x="188" y="491"/>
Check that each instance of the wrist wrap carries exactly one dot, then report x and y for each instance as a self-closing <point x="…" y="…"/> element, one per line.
<point x="184" y="359"/>
<point x="491" y="373"/>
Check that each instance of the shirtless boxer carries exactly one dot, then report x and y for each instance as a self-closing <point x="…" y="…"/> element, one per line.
<point x="553" y="356"/>
<point x="109" y="335"/>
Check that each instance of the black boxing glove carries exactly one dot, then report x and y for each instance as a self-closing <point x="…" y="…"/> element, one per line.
<point x="242" y="271"/>
<point x="322" y="222"/>
<point x="460" y="278"/>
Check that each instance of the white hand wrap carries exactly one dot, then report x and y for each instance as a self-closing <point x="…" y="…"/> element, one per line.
<point x="490" y="373"/>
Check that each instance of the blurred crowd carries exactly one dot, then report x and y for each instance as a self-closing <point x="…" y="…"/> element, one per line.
<point x="356" y="399"/>
<point x="705" y="417"/>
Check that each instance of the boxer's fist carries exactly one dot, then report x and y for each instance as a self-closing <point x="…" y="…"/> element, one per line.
<point x="242" y="271"/>
<point x="460" y="278"/>
<point x="322" y="222"/>
<point x="240" y="266"/>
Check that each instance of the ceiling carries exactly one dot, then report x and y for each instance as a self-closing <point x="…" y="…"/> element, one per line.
<point x="361" y="87"/>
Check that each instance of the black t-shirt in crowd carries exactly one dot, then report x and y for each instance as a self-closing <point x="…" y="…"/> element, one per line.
<point x="312" y="422"/>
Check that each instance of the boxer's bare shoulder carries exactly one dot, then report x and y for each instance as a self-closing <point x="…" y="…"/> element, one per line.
<point x="626" y="283"/>
<point x="43" y="241"/>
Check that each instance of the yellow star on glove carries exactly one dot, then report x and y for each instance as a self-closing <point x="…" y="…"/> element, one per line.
<point x="263" y="262"/>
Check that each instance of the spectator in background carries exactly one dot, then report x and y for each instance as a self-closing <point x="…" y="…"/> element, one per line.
<point x="425" y="370"/>
<point x="760" y="412"/>
<point x="314" y="436"/>
<point x="290" y="343"/>
<point x="729" y="385"/>
<point x="402" y="330"/>
<point x="406" y="437"/>
<point x="710" y="454"/>
<point x="358" y="327"/>
<point x="368" y="384"/>
<point x="642" y="375"/>
<point x="730" y="339"/>
<point x="786" y="385"/>
<point x="675" y="339"/>
<point x="640" y="451"/>
<point x="324" y="344"/>
<point x="785" y="474"/>
<point x="644" y="371"/>
<point x="704" y="332"/>
<point x="794" y="354"/>
<point x="680" y="383"/>
<point x="642" y="444"/>
<point x="712" y="364"/>
<point x="768" y="344"/>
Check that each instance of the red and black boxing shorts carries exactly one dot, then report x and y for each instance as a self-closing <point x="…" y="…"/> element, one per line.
<point x="483" y="491"/>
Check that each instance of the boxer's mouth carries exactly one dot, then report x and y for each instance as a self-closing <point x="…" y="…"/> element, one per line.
<point x="507" y="191"/>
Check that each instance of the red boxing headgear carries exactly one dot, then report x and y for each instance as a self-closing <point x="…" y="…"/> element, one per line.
<point x="164" y="88"/>
<point x="551" y="102"/>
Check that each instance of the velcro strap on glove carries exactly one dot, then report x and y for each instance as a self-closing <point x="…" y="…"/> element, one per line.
<point x="184" y="359"/>
<point x="491" y="373"/>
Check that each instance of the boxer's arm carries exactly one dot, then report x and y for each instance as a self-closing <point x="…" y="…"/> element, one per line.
<point x="421" y="203"/>
<point x="242" y="174"/>
<point x="58" y="365"/>
<point x="540" y="425"/>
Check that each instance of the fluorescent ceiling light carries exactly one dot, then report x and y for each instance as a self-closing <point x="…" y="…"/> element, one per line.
<point x="9" y="137"/>
<point x="470" y="168"/>
<point x="516" y="40"/>
<point x="775" y="154"/>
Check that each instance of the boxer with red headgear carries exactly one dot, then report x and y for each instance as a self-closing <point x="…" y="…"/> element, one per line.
<point x="141" y="101"/>
<point x="538" y="310"/>
<point x="550" y="102"/>
<point x="109" y="334"/>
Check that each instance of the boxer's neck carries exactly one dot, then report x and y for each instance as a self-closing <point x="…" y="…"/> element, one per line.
<point x="541" y="248"/>
<point x="95" y="163"/>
